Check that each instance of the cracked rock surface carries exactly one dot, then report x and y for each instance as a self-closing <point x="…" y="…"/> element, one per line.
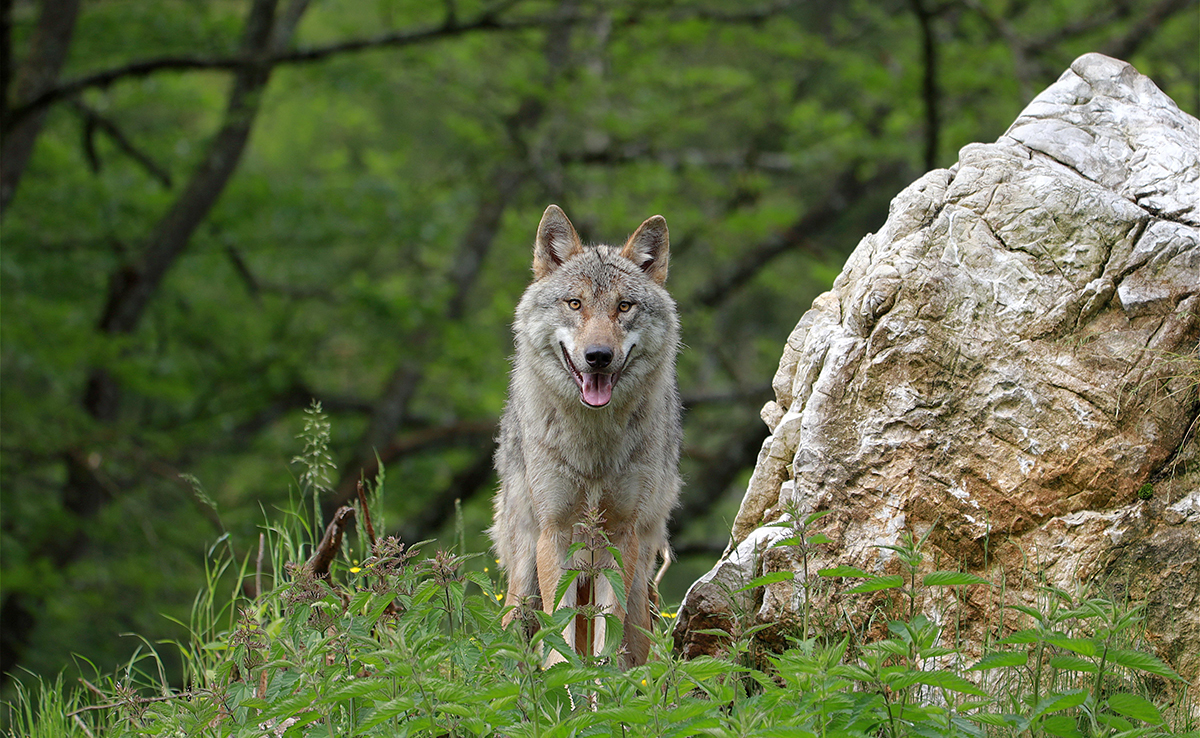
<point x="1008" y="363"/>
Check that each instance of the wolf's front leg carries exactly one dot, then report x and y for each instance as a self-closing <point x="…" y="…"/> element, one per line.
<point x="522" y="577"/>
<point x="551" y="551"/>
<point x="638" y="619"/>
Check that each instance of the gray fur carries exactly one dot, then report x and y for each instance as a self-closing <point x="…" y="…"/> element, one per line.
<point x="558" y="456"/>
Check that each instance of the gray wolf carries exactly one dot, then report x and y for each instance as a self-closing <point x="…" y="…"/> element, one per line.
<point x="592" y="422"/>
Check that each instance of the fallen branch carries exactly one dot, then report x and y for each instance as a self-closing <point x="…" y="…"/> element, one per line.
<point x="366" y="512"/>
<point x="331" y="543"/>
<point x="487" y="22"/>
<point x="134" y="700"/>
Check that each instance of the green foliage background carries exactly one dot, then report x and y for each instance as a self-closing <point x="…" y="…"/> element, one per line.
<point x="376" y="235"/>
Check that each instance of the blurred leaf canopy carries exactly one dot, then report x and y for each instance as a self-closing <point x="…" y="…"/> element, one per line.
<point x="215" y="212"/>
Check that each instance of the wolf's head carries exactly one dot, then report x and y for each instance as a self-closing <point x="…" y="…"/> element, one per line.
<point x="600" y="311"/>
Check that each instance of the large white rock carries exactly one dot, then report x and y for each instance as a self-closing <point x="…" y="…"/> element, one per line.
<point x="1008" y="361"/>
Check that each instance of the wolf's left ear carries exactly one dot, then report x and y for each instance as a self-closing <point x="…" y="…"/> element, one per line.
<point x="649" y="247"/>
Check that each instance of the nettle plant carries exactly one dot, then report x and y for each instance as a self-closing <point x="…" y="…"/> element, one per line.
<point x="378" y="637"/>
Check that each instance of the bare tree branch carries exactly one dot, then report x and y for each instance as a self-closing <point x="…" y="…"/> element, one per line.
<point x="847" y="187"/>
<point x="737" y="395"/>
<point x="296" y="397"/>
<point x="424" y="439"/>
<point x="93" y="121"/>
<point x="640" y="154"/>
<point x="1084" y="25"/>
<point x="1024" y="67"/>
<point x="1126" y="45"/>
<point x="739" y="451"/>
<point x="434" y="515"/>
<point x="129" y="295"/>
<point x="392" y="406"/>
<point x="480" y="235"/>
<point x="486" y="22"/>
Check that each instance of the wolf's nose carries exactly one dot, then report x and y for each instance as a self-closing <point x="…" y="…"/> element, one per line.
<point x="598" y="357"/>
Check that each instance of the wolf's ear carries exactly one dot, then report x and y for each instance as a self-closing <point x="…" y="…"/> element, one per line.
<point x="556" y="242"/>
<point x="649" y="248"/>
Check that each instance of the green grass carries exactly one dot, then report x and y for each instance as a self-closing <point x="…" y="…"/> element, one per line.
<point x="408" y="642"/>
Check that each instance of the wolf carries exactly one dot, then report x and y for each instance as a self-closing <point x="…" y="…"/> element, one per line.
<point x="592" y="422"/>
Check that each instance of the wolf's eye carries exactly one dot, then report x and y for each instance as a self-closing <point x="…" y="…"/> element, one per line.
<point x="625" y="306"/>
<point x="574" y="303"/>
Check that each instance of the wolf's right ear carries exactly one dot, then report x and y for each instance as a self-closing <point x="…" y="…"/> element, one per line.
<point x="556" y="242"/>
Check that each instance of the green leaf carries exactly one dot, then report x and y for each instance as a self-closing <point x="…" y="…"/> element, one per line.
<point x="1081" y="646"/>
<point x="1060" y="702"/>
<point x="1073" y="663"/>
<point x="614" y="633"/>
<point x="1029" y="635"/>
<point x="1062" y="726"/>
<point x="814" y="517"/>
<point x="564" y="583"/>
<point x="789" y="541"/>
<point x="947" y="680"/>
<point x="993" y="718"/>
<point x="1116" y="722"/>
<point x="785" y="731"/>
<point x="616" y="554"/>
<point x="1134" y="706"/>
<point x="627" y="714"/>
<point x="1142" y="662"/>
<point x="359" y="600"/>
<point x="1031" y="612"/>
<point x="563" y="673"/>
<point x="951" y="579"/>
<point x="1000" y="659"/>
<point x="842" y="571"/>
<point x="765" y="579"/>
<point x="381" y="604"/>
<point x="357" y="688"/>
<point x="481" y="580"/>
<point x="713" y="632"/>
<point x="851" y="671"/>
<point x="617" y="581"/>
<point x="876" y="584"/>
<point x="425" y="592"/>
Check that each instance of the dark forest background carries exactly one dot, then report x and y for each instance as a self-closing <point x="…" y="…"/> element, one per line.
<point x="216" y="211"/>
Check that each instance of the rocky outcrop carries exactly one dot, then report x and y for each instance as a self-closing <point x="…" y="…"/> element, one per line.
<point x="1009" y="365"/>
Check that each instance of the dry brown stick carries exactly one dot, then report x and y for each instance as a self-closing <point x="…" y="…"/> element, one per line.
<point x="91" y="687"/>
<point x="330" y="543"/>
<point x="366" y="512"/>
<point x="83" y="726"/>
<point x="137" y="700"/>
<point x="258" y="566"/>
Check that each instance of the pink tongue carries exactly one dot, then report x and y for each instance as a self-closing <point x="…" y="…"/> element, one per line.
<point x="597" y="389"/>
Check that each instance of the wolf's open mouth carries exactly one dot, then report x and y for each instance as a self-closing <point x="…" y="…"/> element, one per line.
<point x="595" y="389"/>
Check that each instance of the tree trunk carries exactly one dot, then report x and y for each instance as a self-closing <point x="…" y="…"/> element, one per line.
<point x="48" y="49"/>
